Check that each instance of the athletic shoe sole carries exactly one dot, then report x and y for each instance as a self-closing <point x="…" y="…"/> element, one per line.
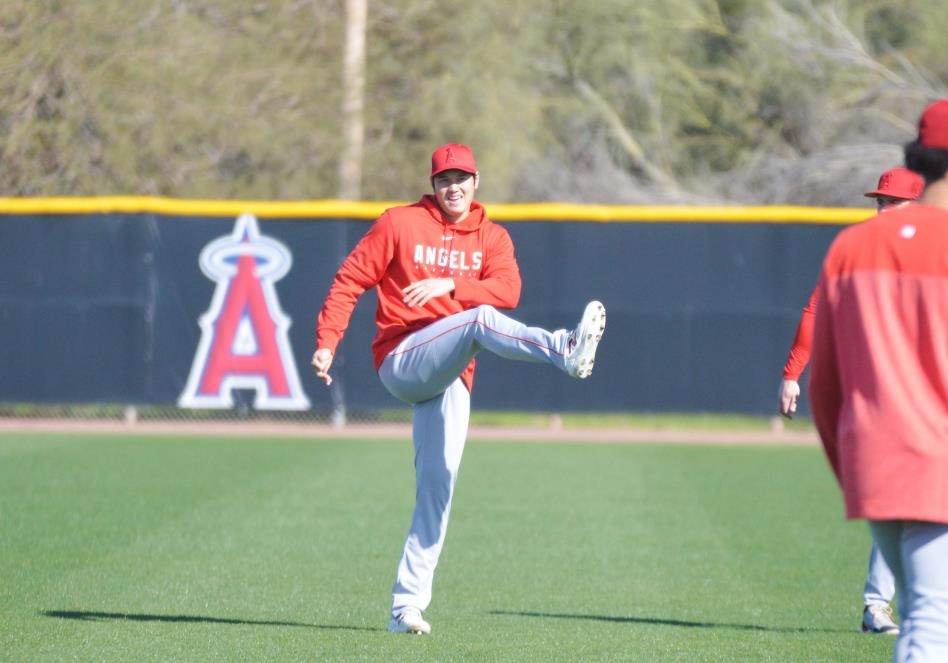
<point x="591" y="327"/>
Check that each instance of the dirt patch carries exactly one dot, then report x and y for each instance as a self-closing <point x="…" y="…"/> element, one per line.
<point x="403" y="431"/>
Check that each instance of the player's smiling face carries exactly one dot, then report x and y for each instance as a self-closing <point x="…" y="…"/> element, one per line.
<point x="454" y="191"/>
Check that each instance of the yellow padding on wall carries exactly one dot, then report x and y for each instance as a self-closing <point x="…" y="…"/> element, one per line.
<point x="510" y="212"/>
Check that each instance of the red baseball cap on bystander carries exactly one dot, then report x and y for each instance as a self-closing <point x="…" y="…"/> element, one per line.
<point x="452" y="156"/>
<point x="933" y="125"/>
<point x="899" y="183"/>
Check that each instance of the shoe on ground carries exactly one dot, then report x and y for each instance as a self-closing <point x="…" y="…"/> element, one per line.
<point x="877" y="618"/>
<point x="583" y="341"/>
<point x="409" y="620"/>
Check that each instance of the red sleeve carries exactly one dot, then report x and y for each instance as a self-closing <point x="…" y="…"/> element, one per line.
<point x="825" y="389"/>
<point x="802" y="340"/>
<point x="361" y="270"/>
<point x="500" y="283"/>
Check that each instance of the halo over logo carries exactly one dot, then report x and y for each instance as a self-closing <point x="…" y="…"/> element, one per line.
<point x="244" y="342"/>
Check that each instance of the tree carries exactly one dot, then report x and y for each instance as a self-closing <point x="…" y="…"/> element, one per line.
<point x="684" y="101"/>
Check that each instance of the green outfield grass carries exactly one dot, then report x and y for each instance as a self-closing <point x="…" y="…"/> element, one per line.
<point x="116" y="548"/>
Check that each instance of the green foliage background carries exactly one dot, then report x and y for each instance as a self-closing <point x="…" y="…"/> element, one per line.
<point x="800" y="101"/>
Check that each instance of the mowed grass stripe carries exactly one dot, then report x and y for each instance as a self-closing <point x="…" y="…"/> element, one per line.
<point x="209" y="529"/>
<point x="697" y="540"/>
<point x="143" y="548"/>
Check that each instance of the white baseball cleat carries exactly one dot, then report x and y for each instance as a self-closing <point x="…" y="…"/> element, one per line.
<point x="409" y="620"/>
<point x="583" y="341"/>
<point x="877" y="618"/>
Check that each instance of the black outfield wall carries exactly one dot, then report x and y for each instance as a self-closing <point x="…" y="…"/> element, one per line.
<point x="104" y="307"/>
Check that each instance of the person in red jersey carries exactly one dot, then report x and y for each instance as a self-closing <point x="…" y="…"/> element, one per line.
<point x="879" y="386"/>
<point x="441" y="270"/>
<point x="896" y="186"/>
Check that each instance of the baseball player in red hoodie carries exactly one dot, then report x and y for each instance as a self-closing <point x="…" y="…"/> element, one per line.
<point x="442" y="270"/>
<point x="879" y="386"/>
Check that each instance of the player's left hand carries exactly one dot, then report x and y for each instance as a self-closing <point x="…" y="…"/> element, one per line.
<point x="421" y="292"/>
<point x="789" y="394"/>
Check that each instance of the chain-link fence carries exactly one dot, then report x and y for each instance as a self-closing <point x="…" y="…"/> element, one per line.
<point x="243" y="412"/>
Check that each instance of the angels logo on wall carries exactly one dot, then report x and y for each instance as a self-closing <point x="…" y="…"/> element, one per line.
<point x="244" y="343"/>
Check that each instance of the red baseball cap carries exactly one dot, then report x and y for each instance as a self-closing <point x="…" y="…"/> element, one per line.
<point x="898" y="183"/>
<point x="933" y="125"/>
<point x="452" y="156"/>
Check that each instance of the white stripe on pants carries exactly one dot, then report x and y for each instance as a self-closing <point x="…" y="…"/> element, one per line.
<point x="917" y="553"/>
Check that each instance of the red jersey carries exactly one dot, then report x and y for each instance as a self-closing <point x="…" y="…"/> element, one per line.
<point x="879" y="371"/>
<point x="411" y="243"/>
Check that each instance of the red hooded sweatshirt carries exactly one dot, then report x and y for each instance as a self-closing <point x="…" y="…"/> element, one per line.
<point x="411" y="243"/>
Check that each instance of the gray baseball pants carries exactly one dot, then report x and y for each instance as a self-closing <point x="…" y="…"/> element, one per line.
<point x="424" y="371"/>
<point x="917" y="553"/>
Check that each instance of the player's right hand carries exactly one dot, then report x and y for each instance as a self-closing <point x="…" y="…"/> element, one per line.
<point x="421" y="292"/>
<point x="789" y="394"/>
<point x="322" y="360"/>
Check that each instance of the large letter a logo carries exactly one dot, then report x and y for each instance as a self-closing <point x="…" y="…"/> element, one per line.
<point x="243" y="342"/>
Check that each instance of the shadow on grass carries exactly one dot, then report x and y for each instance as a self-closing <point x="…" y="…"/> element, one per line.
<point x="83" y="615"/>
<point x="663" y="622"/>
